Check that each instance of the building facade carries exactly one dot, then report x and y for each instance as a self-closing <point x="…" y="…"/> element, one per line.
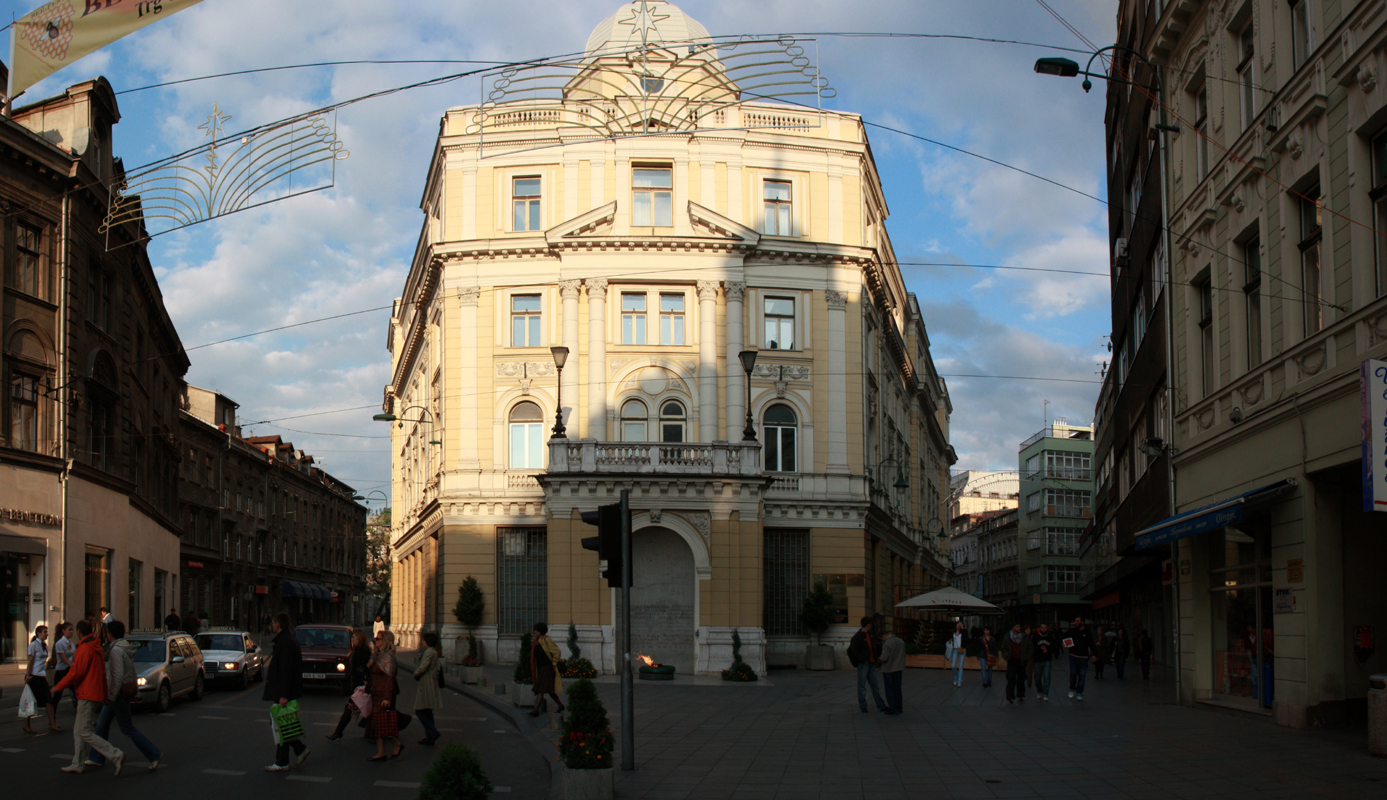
<point x="264" y="528"/>
<point x="657" y="260"/>
<point x="1277" y="284"/>
<point x="92" y="366"/>
<point x="973" y="492"/>
<point x="1056" y="506"/>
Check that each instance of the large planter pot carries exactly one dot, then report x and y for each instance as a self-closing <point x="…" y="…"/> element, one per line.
<point x="523" y="694"/>
<point x="471" y="675"/>
<point x="818" y="656"/>
<point x="587" y="784"/>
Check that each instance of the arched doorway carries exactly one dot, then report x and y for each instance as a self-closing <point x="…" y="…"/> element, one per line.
<point x="663" y="598"/>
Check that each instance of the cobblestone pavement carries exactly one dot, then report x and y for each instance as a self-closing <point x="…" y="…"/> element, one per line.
<point x="800" y="735"/>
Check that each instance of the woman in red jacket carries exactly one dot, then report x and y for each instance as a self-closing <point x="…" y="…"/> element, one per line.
<point x="88" y="679"/>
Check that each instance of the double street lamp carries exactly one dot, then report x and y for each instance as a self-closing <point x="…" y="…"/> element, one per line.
<point x="393" y="418"/>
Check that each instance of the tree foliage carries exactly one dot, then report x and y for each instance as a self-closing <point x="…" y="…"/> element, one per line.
<point x="470" y="603"/>
<point x="455" y="775"/>
<point x="817" y="613"/>
<point x="379" y="559"/>
<point x="522" y="665"/>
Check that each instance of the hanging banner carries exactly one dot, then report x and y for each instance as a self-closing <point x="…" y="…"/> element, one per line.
<point x="1372" y="389"/>
<point x="62" y="31"/>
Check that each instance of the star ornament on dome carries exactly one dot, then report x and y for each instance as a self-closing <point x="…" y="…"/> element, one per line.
<point x="643" y="18"/>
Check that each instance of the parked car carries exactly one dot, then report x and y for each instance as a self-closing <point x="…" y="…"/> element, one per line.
<point x="231" y="657"/>
<point x="326" y="652"/>
<point x="167" y="666"/>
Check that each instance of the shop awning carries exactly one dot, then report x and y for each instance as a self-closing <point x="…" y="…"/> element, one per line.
<point x="312" y="591"/>
<point x="23" y="544"/>
<point x="1208" y="518"/>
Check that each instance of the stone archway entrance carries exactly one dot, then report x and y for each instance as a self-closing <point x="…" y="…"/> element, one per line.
<point x="663" y="601"/>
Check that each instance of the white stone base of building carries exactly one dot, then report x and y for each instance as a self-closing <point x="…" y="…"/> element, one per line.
<point x="714" y="649"/>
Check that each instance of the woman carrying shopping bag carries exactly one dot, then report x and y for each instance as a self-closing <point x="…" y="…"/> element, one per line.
<point x="385" y="719"/>
<point x="36" y="679"/>
<point x="360" y="664"/>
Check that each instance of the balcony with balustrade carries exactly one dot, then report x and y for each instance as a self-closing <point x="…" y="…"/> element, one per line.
<point x="693" y="459"/>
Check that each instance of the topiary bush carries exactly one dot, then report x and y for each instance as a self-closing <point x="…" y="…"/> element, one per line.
<point x="576" y="666"/>
<point x="587" y="741"/>
<point x="522" y="666"/>
<point x="740" y="670"/>
<point x="817" y="613"/>
<point x="470" y="603"/>
<point x="474" y="653"/>
<point x="455" y="775"/>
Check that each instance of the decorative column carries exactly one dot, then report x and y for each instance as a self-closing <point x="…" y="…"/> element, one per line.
<point x="468" y="457"/>
<point x="597" y="359"/>
<point x="569" y="291"/>
<point x="708" y="360"/>
<point x="837" y="381"/>
<point x="736" y="386"/>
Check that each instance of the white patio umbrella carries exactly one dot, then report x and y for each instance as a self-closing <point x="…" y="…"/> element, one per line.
<point x="948" y="599"/>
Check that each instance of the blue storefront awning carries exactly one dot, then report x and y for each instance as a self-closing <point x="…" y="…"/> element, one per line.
<point x="1207" y="518"/>
<point x="311" y="591"/>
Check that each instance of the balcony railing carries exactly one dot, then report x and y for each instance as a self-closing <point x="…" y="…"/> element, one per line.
<point x="716" y="458"/>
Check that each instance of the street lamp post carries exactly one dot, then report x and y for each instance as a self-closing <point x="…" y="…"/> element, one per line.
<point x="748" y="359"/>
<point x="560" y="358"/>
<point x="394" y="418"/>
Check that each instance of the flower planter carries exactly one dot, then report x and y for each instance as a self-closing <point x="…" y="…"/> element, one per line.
<point x="587" y="784"/>
<point x="523" y="694"/>
<point x="819" y="656"/>
<point x="659" y="672"/>
<point x="471" y="675"/>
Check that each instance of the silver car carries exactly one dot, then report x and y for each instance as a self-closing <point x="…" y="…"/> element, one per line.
<point x="167" y="666"/>
<point x="230" y="657"/>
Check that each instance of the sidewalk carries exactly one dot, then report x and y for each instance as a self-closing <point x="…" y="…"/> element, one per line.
<point x="803" y="737"/>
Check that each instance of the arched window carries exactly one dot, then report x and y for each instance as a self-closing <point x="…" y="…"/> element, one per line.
<point x="779" y="427"/>
<point x="526" y="437"/>
<point x="633" y="419"/>
<point x="672" y="421"/>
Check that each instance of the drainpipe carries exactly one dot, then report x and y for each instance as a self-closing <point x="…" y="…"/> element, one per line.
<point x="1169" y="388"/>
<point x="62" y="406"/>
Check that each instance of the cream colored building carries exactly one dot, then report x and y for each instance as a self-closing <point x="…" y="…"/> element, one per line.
<point x="656" y="259"/>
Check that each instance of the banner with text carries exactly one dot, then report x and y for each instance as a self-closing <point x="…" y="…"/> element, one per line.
<point x="1372" y="387"/>
<point x="62" y="31"/>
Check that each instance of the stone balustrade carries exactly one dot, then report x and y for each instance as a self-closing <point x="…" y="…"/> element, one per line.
<point x="685" y="458"/>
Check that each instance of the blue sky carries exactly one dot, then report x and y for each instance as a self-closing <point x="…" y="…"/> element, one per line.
<point x="347" y="249"/>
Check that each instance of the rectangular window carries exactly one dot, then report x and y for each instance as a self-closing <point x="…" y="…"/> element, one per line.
<point x="785" y="580"/>
<point x="1062" y="541"/>
<point x="1068" y="466"/>
<point x="671" y="319"/>
<point x="1067" y="503"/>
<point x="1206" y="335"/>
<point x="98" y="296"/>
<point x="527" y="445"/>
<point x="1311" y="275"/>
<point x="1247" y="86"/>
<point x="132" y="614"/>
<point x="525" y="198"/>
<point x="99" y="434"/>
<point x="24" y="413"/>
<point x="1138" y="322"/>
<point x="1302" y="32"/>
<point x="777" y="209"/>
<point x="1033" y="501"/>
<point x="632" y="318"/>
<point x="1062" y="579"/>
<point x="1201" y="132"/>
<point x="1252" y="294"/>
<point x="652" y="198"/>
<point x="29" y="262"/>
<point x="522" y="578"/>
<point x="525" y="320"/>
<point x="780" y="323"/>
<point x="1379" y="198"/>
<point x="1033" y="464"/>
<point x="1033" y="576"/>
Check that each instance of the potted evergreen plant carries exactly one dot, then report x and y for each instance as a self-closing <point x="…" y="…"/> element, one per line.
<point x="468" y="611"/>
<point x="577" y="666"/>
<point x="586" y="745"/>
<point x="817" y="614"/>
<point x="455" y="775"/>
<point x="740" y="670"/>
<point x="524" y="694"/>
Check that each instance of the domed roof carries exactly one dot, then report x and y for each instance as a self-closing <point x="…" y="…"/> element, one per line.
<point x="662" y="22"/>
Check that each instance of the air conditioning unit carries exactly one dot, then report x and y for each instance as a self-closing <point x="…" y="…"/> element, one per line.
<point x="1119" y="250"/>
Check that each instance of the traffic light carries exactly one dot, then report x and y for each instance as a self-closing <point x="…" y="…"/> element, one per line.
<point x="607" y="542"/>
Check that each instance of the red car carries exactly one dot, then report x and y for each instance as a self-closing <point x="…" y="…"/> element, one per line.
<point x="326" y="655"/>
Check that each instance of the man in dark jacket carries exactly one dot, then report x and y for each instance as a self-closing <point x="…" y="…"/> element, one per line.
<point x="284" y="682"/>
<point x="1079" y="642"/>
<point x="1046" y="646"/>
<point x="172" y="621"/>
<point x="1018" y="648"/>
<point x="862" y="654"/>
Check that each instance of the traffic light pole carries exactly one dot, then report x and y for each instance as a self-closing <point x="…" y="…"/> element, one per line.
<point x="628" y="700"/>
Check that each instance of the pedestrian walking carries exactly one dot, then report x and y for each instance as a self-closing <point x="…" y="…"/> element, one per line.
<point x="1102" y="652"/>
<point x="106" y="616"/>
<point x="1026" y="631"/>
<point x="359" y="662"/>
<point x="378" y="626"/>
<point x="1018" y="648"/>
<point x="892" y="669"/>
<point x="1121" y="648"/>
<point x="171" y="621"/>
<point x="88" y="679"/>
<point x="427" y="696"/>
<point x="1144" y="647"/>
<point x="120" y="690"/>
<point x="1045" y="645"/>
<point x="987" y="656"/>
<point x="1079" y="642"/>
<point x="64" y="651"/>
<point x="956" y="650"/>
<point x="863" y="656"/>
<point x="385" y="720"/>
<point x="36" y="678"/>
<point x="284" y="682"/>
<point x="544" y="668"/>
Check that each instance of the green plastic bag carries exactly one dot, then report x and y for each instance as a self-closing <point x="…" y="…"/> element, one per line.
<point x="287" y="726"/>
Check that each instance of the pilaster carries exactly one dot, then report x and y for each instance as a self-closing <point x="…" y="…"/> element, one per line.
<point x="708" y="361"/>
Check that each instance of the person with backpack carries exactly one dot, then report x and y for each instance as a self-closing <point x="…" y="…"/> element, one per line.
<point x="88" y="679"/>
<point x="120" y="690"/>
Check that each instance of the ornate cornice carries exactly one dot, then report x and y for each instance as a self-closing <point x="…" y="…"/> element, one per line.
<point x="597" y="288"/>
<point x="734" y="291"/>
